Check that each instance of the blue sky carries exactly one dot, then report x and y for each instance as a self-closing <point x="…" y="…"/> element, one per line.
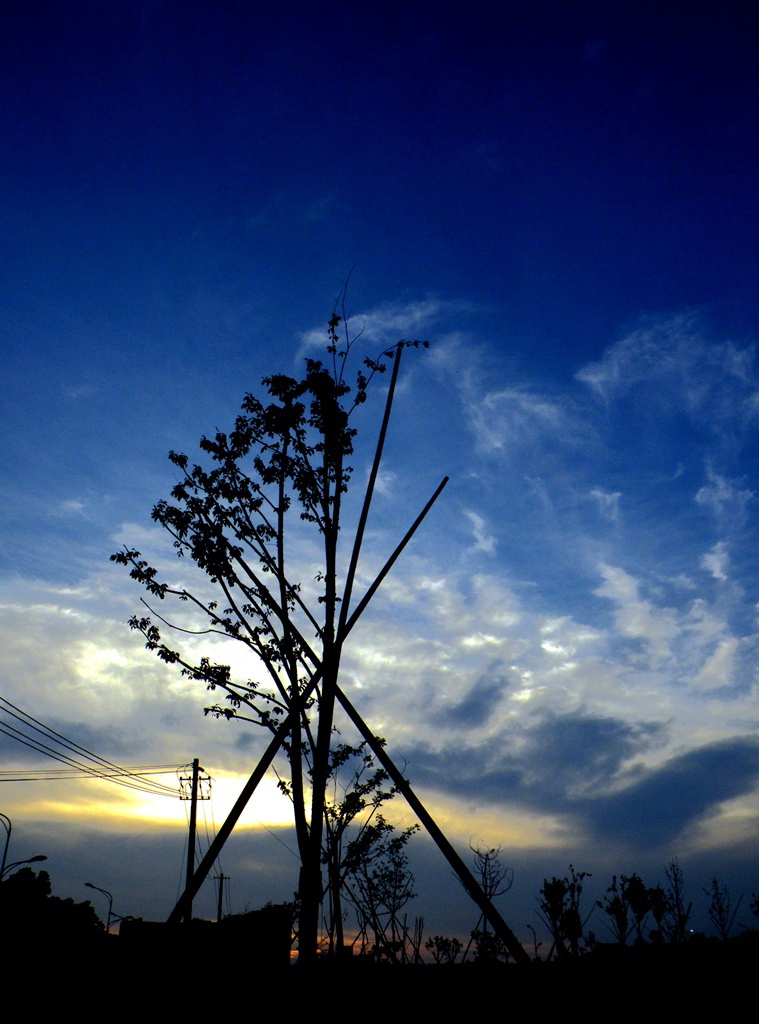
<point x="562" y="199"/>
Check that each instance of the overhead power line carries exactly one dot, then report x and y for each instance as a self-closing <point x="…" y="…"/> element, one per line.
<point x="80" y="762"/>
<point x="52" y="774"/>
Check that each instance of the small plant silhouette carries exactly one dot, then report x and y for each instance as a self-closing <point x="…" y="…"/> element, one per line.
<point x="721" y="910"/>
<point x="627" y="903"/>
<point x="559" y="910"/>
<point x="444" y="950"/>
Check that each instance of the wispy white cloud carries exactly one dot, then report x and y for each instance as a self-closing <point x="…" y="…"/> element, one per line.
<point x="675" y="362"/>
<point x="636" y="617"/>
<point x="717" y="670"/>
<point x="483" y="539"/>
<point x="716" y="561"/>
<point x="71" y="507"/>
<point x="539" y="488"/>
<point x="725" y="499"/>
<point x="385" y="481"/>
<point x="440" y="659"/>
<point x="385" y="325"/>
<point x="483" y="667"/>
<point x="507" y="419"/>
<point x="608" y="502"/>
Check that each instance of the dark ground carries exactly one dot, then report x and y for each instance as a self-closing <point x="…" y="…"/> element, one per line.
<point x="126" y="981"/>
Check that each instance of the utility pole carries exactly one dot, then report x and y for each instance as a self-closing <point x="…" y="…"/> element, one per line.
<point x="220" y="878"/>
<point x="192" y="781"/>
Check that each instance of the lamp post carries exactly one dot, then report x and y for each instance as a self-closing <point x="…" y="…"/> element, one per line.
<point x="17" y="863"/>
<point x="110" y="904"/>
<point x="6" y="823"/>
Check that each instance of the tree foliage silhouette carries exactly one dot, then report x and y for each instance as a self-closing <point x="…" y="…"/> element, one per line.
<point x="495" y="879"/>
<point x="379" y="888"/>
<point x="276" y="480"/>
<point x="616" y="905"/>
<point x="559" y="909"/>
<point x="722" y="912"/>
<point x="357" y="836"/>
<point x="443" y="949"/>
<point x="676" y="915"/>
<point x="30" y="912"/>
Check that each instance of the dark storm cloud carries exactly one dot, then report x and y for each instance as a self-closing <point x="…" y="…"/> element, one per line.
<point x="244" y="741"/>
<point x="478" y="705"/>
<point x="573" y="764"/>
<point x="25" y="740"/>
<point x="578" y="750"/>
<point x="544" y="766"/>
<point x="656" y="808"/>
<point x="104" y="742"/>
<point x="14" y="752"/>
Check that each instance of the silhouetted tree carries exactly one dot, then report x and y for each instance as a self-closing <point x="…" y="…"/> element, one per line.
<point x="754" y="904"/>
<point x="30" y="913"/>
<point x="675" y="919"/>
<point x="627" y="903"/>
<point x="379" y="888"/>
<point x="559" y="910"/>
<point x="660" y="910"/>
<point x="495" y="879"/>
<point x="444" y="950"/>
<point x="639" y="900"/>
<point x="355" y="832"/>
<point x="282" y="469"/>
<point x="721" y="910"/>
<point x="616" y="907"/>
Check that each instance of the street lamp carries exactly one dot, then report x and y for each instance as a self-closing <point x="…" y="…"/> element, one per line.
<point x="6" y="823"/>
<point x="17" y="863"/>
<point x="110" y="904"/>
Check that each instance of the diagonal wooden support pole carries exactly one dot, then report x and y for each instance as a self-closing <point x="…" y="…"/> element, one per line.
<point x="281" y="734"/>
<point x="310" y="886"/>
<point x="467" y="879"/>
<point x="470" y="884"/>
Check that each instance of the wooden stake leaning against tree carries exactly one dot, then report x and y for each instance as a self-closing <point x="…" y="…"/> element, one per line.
<point x="234" y="521"/>
<point x="286" y="455"/>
